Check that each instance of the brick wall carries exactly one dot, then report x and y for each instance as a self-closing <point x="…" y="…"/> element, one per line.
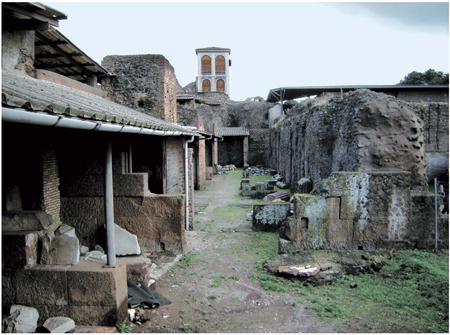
<point x="51" y="194"/>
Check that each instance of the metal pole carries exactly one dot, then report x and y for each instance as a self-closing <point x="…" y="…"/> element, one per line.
<point x="130" y="159"/>
<point x="436" y="208"/>
<point x="109" y="209"/>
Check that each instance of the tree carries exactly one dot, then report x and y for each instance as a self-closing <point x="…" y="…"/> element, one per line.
<point x="429" y="77"/>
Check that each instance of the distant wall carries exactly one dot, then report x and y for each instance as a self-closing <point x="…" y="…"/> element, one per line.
<point x="143" y="82"/>
<point x="258" y="147"/>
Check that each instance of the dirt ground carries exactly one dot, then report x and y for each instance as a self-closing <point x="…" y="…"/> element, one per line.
<point x="214" y="293"/>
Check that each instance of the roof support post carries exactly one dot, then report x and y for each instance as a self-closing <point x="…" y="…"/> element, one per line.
<point x="109" y="209"/>
<point x="186" y="181"/>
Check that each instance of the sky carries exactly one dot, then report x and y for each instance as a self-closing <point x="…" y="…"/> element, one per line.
<point x="273" y="44"/>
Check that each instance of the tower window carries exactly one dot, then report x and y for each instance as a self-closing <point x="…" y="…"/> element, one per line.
<point x="206" y="86"/>
<point x="220" y="85"/>
<point x="206" y="65"/>
<point x="220" y="65"/>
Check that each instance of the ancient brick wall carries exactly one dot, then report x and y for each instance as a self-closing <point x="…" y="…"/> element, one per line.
<point x="51" y="193"/>
<point x="363" y="131"/>
<point x="144" y="82"/>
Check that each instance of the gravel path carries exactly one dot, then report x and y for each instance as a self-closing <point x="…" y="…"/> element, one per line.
<point x="213" y="293"/>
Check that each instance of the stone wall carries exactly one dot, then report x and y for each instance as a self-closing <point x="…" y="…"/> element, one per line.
<point x="143" y="82"/>
<point x="258" y="147"/>
<point x="353" y="210"/>
<point x="174" y="166"/>
<point x="363" y="131"/>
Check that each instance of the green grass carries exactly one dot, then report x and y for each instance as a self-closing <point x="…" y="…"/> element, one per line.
<point x="212" y="297"/>
<point x="185" y="261"/>
<point x="413" y="286"/>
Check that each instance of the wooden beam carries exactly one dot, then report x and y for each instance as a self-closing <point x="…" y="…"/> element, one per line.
<point x="63" y="53"/>
<point x="33" y="15"/>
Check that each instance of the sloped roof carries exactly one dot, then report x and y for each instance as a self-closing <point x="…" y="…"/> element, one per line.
<point x="232" y="131"/>
<point x="54" y="52"/>
<point x="21" y="91"/>
<point x="212" y="49"/>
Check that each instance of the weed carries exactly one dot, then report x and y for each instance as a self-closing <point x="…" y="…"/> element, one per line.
<point x="212" y="297"/>
<point x="270" y="286"/>
<point x="186" y="328"/>
<point x="185" y="261"/>
<point x="194" y="273"/>
<point x="198" y="310"/>
<point x="177" y="282"/>
<point x="182" y="311"/>
<point x="330" y="310"/>
<point x="123" y="328"/>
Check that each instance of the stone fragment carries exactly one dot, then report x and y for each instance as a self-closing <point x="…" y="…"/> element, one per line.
<point x="26" y="320"/>
<point x="250" y="216"/>
<point x="282" y="185"/>
<point x="261" y="186"/>
<point x="126" y="243"/>
<point x="60" y="250"/>
<point x="83" y="250"/>
<point x="59" y="324"/>
<point x="304" y="185"/>
<point x="246" y="190"/>
<point x="244" y="181"/>
<point x="300" y="270"/>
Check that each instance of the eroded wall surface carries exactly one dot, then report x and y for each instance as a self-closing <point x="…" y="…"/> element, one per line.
<point x="363" y="131"/>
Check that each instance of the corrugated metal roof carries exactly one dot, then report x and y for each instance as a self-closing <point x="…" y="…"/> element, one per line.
<point x="232" y="131"/>
<point x="19" y="90"/>
<point x="54" y="52"/>
<point x="289" y="93"/>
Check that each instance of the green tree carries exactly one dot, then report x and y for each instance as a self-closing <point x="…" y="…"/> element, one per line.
<point x="429" y="77"/>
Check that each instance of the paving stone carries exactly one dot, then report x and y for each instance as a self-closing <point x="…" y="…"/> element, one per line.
<point x="59" y="324"/>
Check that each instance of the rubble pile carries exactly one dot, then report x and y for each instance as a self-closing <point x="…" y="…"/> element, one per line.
<point x="224" y="169"/>
<point x="258" y="171"/>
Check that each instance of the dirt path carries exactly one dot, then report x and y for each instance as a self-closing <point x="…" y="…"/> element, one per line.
<point x="213" y="292"/>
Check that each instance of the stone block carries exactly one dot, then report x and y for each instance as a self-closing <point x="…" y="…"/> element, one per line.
<point x="22" y="221"/>
<point x="91" y="284"/>
<point x="260" y="194"/>
<point x="19" y="249"/>
<point x="8" y="295"/>
<point x="26" y="320"/>
<point x="125" y="243"/>
<point x="41" y="285"/>
<point x="260" y="186"/>
<point x="246" y="190"/>
<point x="60" y="250"/>
<point x="269" y="216"/>
<point x="209" y="172"/>
<point x="59" y="324"/>
<point x="300" y="270"/>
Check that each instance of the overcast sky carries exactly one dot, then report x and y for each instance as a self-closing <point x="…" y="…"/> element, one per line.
<point x="273" y="44"/>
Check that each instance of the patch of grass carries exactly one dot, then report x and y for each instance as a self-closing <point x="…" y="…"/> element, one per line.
<point x="186" y="328"/>
<point x="198" y="310"/>
<point x="330" y="310"/>
<point x="177" y="282"/>
<point x="182" y="311"/>
<point x="185" y="261"/>
<point x="273" y="287"/>
<point x="212" y="297"/>
<point x="411" y="291"/>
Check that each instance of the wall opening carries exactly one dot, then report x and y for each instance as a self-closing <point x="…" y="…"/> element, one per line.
<point x="220" y="85"/>
<point x="206" y="86"/>
<point x="220" y="65"/>
<point x="206" y="65"/>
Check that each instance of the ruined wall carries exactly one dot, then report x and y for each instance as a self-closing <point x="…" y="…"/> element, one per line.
<point x="353" y="210"/>
<point x="258" y="147"/>
<point x="18" y="51"/>
<point x="143" y="82"/>
<point x="435" y="124"/>
<point x="157" y="220"/>
<point x="363" y="131"/>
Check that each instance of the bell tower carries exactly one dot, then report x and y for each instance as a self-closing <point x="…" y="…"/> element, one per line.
<point x="213" y="70"/>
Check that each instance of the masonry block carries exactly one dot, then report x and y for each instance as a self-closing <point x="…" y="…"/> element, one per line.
<point x="269" y="216"/>
<point x="41" y="285"/>
<point x="91" y="284"/>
